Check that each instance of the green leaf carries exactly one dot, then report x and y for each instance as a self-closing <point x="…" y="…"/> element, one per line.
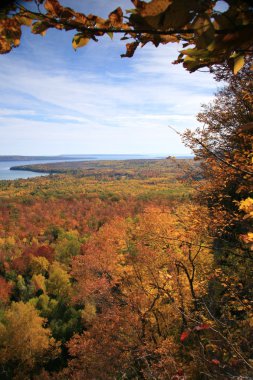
<point x="200" y="53"/>
<point x="110" y="34"/>
<point x="131" y="11"/>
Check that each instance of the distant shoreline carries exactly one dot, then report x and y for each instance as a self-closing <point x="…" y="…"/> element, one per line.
<point x="29" y="168"/>
<point x="77" y="166"/>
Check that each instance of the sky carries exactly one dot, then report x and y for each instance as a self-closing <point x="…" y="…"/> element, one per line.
<point x="54" y="100"/>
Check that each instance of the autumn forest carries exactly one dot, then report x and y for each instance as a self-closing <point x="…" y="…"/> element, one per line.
<point x="137" y="269"/>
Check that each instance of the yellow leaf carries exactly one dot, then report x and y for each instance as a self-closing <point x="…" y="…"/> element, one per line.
<point x="247" y="205"/>
<point x="79" y="42"/>
<point x="16" y="42"/>
<point x="238" y="63"/>
<point x="25" y="20"/>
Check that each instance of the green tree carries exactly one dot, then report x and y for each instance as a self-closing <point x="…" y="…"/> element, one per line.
<point x="58" y="283"/>
<point x="67" y="246"/>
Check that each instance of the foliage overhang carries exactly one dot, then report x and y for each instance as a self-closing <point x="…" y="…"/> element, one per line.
<point x="209" y="36"/>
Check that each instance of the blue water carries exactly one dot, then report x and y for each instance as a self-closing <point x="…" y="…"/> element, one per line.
<point x="7" y="174"/>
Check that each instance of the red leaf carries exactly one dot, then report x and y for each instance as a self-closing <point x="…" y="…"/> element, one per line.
<point x="184" y="335"/>
<point x="215" y="361"/>
<point x="202" y="327"/>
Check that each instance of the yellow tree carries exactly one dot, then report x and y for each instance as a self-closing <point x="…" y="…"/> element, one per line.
<point x="25" y="343"/>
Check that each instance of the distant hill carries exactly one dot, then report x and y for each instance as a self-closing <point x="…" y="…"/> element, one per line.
<point x="37" y="158"/>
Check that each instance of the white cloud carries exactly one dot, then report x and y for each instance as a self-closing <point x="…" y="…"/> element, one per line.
<point x="89" y="103"/>
<point x="13" y="111"/>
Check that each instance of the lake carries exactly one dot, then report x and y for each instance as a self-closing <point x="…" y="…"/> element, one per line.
<point x="7" y="174"/>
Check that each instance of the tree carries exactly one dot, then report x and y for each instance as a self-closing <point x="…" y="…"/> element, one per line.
<point x="67" y="246"/>
<point x="224" y="148"/>
<point x="25" y="343"/>
<point x="58" y="283"/>
<point x="209" y="35"/>
<point x="140" y="281"/>
<point x="5" y="290"/>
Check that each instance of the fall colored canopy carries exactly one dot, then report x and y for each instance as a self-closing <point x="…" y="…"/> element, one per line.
<point x="210" y="34"/>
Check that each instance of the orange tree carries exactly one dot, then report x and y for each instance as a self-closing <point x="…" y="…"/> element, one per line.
<point x="224" y="148"/>
<point x="209" y="34"/>
<point x="140" y="280"/>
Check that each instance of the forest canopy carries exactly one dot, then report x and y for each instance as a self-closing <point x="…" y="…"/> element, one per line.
<point x="209" y="32"/>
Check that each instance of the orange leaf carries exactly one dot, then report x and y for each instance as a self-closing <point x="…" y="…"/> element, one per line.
<point x="116" y="17"/>
<point x="53" y="6"/>
<point x="130" y="49"/>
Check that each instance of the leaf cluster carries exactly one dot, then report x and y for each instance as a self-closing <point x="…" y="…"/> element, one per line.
<point x="209" y="36"/>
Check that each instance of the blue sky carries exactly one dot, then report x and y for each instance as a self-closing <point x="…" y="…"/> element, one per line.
<point x="58" y="101"/>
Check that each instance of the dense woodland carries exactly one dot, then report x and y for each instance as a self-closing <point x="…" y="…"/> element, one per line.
<point x="135" y="269"/>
